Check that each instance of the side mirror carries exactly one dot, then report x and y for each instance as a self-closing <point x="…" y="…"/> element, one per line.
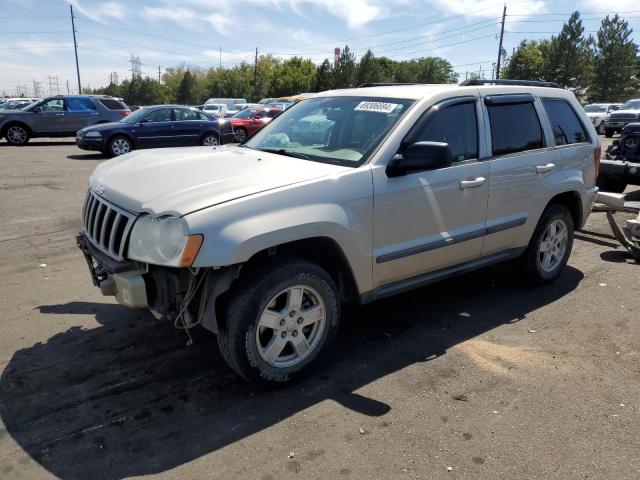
<point x="142" y="121"/>
<point x="420" y="156"/>
<point x="37" y="110"/>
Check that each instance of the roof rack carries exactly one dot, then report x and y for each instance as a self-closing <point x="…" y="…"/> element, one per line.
<point x="525" y="83"/>
<point x="391" y="84"/>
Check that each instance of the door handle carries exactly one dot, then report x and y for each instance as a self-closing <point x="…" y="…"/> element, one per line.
<point x="476" y="182"/>
<point x="59" y="114"/>
<point x="545" y="168"/>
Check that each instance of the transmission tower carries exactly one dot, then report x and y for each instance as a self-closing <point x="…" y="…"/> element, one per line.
<point x="114" y="78"/>
<point x="37" y="88"/>
<point x="136" y="72"/>
<point x="54" y="85"/>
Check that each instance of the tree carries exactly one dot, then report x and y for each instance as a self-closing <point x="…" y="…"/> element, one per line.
<point x="294" y="76"/>
<point x="425" y="70"/>
<point x="186" y="89"/>
<point x="372" y="69"/>
<point x="345" y="72"/>
<point x="568" y="59"/>
<point x="324" y="77"/>
<point x="616" y="62"/>
<point x="526" y="63"/>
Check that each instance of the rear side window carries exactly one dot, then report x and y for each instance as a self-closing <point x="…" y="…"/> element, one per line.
<point x="184" y="114"/>
<point x="456" y="125"/>
<point x="159" y="115"/>
<point x="80" y="104"/>
<point x="112" y="104"/>
<point x="514" y="128"/>
<point x="566" y="125"/>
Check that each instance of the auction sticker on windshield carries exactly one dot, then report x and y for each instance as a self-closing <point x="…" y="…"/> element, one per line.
<point x="376" y="107"/>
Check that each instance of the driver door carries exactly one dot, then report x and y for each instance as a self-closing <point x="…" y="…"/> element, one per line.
<point x="429" y="220"/>
<point x="52" y="117"/>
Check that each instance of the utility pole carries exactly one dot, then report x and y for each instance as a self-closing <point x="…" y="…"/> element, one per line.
<point x="68" y="90"/>
<point x="75" y="48"/>
<point x="255" y="75"/>
<point x="159" y="78"/>
<point x="220" y="75"/>
<point x="504" y="14"/>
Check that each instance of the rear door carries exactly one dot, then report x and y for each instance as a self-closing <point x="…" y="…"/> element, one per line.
<point x="519" y="153"/>
<point x="81" y="112"/>
<point x="155" y="129"/>
<point x="188" y="126"/>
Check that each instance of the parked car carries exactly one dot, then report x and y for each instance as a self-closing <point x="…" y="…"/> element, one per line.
<point x="15" y="104"/>
<point x="243" y="106"/>
<point x="246" y="122"/>
<point x="628" y="113"/>
<point x="153" y="127"/>
<point x="621" y="164"/>
<point x="263" y="243"/>
<point x="232" y="104"/>
<point x="59" y="116"/>
<point x="599" y="112"/>
<point x="216" y="109"/>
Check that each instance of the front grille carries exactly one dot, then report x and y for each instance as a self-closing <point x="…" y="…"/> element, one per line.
<point x="623" y="117"/>
<point x="106" y="226"/>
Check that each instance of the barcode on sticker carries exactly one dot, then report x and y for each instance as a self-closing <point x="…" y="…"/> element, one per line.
<point x="383" y="107"/>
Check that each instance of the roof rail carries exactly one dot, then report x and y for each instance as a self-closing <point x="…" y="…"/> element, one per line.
<point x="525" y="83"/>
<point x="391" y="84"/>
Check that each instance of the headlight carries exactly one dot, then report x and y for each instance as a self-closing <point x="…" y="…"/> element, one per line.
<point x="163" y="241"/>
<point x="93" y="134"/>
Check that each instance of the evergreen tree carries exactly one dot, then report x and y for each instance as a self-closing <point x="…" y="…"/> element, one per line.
<point x="185" y="94"/>
<point x="344" y="74"/>
<point x="616" y="62"/>
<point x="568" y="59"/>
<point x="324" y="77"/>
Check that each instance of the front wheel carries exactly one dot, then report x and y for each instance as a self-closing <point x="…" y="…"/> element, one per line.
<point x="279" y="321"/>
<point x="550" y="246"/>
<point x="119" y="146"/>
<point x="608" y="132"/>
<point x="240" y="134"/>
<point x="17" y="135"/>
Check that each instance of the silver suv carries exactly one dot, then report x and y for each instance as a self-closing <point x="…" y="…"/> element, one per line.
<point x="60" y="116"/>
<point x="346" y="197"/>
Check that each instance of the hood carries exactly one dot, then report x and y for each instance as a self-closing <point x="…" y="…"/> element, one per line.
<point x="101" y="127"/>
<point x="179" y="181"/>
<point x="596" y="114"/>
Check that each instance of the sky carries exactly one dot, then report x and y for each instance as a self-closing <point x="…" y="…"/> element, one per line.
<point x="36" y="44"/>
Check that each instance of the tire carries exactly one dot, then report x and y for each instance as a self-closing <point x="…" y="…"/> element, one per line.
<point x="267" y="356"/>
<point x="119" y="145"/>
<point x="536" y="267"/>
<point x="17" y="134"/>
<point x="608" y="132"/>
<point x="608" y="184"/>
<point x="600" y="129"/>
<point x="240" y="134"/>
<point x="209" y="140"/>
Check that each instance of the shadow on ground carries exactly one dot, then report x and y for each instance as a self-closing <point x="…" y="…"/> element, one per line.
<point x="129" y="398"/>
<point x="41" y="143"/>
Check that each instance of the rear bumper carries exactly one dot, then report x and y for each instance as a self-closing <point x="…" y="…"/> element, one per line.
<point x="621" y="170"/>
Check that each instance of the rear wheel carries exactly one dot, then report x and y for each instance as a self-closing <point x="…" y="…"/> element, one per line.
<point x="608" y="184"/>
<point x="600" y="128"/>
<point x="279" y="321"/>
<point x="119" y="146"/>
<point x="209" y="140"/>
<point x="608" y="132"/>
<point x="240" y="134"/>
<point x="550" y="246"/>
<point x="17" y="134"/>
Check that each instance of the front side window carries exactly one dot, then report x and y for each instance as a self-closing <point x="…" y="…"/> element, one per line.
<point x="54" y="105"/>
<point x="341" y="130"/>
<point x="631" y="105"/>
<point x="566" y="126"/>
<point x="514" y="128"/>
<point x="246" y="113"/>
<point x="457" y="126"/>
<point x="159" y="115"/>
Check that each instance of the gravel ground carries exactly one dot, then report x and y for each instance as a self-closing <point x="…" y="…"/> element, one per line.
<point x="477" y="377"/>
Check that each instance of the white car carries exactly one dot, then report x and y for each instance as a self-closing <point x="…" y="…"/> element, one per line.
<point x="599" y="112"/>
<point x="628" y="113"/>
<point x="347" y="197"/>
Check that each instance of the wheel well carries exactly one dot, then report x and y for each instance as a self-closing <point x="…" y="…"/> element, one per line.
<point x="572" y="201"/>
<point x="128" y="137"/>
<point x="14" y="122"/>
<point x="322" y="251"/>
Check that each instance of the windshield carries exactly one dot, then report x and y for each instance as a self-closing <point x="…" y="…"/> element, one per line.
<point x="340" y="130"/>
<point x="134" y="117"/>
<point x="631" y="105"/>
<point x="595" y="109"/>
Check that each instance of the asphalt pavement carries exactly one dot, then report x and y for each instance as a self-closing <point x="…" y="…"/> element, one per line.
<point x="479" y="377"/>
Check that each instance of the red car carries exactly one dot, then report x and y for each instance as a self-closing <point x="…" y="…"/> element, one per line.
<point x="247" y="121"/>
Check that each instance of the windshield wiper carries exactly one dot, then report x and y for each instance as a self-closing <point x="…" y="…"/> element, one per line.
<point x="282" y="151"/>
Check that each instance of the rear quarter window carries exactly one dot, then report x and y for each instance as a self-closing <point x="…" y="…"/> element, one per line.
<point x="567" y="127"/>
<point x="112" y="104"/>
<point x="515" y="127"/>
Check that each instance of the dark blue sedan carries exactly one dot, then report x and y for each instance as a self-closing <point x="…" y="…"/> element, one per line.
<point x="154" y="127"/>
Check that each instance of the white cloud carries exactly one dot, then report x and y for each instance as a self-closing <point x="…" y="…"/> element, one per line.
<point x="607" y="6"/>
<point x="112" y="9"/>
<point x="183" y="16"/>
<point x="490" y="8"/>
<point x="221" y="23"/>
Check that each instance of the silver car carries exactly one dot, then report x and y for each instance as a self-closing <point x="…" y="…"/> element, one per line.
<point x="347" y="197"/>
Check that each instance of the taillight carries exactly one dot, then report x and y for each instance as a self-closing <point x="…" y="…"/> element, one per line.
<point x="124" y="113"/>
<point x="597" y="153"/>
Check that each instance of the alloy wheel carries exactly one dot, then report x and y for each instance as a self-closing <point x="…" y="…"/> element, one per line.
<point x="553" y="245"/>
<point x="120" y="146"/>
<point x="241" y="135"/>
<point x="17" y="134"/>
<point x="290" y="327"/>
<point x="210" y="141"/>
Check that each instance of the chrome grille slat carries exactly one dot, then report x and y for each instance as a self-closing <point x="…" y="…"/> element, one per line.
<point x="107" y="226"/>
